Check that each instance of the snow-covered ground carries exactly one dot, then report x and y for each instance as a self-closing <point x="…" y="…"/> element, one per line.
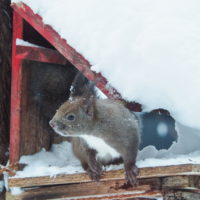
<point x="149" y="51"/>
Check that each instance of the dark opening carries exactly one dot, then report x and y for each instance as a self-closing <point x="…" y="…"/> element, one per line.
<point x="158" y="129"/>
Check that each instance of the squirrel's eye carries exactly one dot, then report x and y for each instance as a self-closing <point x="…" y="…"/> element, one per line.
<point x="70" y="117"/>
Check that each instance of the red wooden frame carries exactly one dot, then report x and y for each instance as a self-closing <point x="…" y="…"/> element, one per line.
<point x="39" y="54"/>
<point x="64" y="48"/>
<point x="15" y="92"/>
<point x="66" y="53"/>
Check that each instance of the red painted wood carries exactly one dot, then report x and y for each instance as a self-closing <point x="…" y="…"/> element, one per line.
<point x="64" y="48"/>
<point x="40" y="54"/>
<point x="15" y="92"/>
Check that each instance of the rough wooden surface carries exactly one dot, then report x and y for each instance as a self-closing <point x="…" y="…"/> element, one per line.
<point x="109" y="175"/>
<point x="185" y="194"/>
<point x="5" y="75"/>
<point x="44" y="88"/>
<point x="40" y="54"/>
<point x="171" y="188"/>
<point x="92" y="190"/>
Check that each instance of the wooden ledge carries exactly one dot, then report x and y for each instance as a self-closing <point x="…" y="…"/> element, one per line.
<point x="147" y="189"/>
<point x="149" y="172"/>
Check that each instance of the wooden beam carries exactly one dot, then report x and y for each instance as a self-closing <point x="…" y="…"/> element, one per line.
<point x="176" y="187"/>
<point x="177" y="182"/>
<point x="186" y="194"/>
<point x="148" y="172"/>
<point x="15" y="92"/>
<point x="40" y="54"/>
<point x="29" y="195"/>
<point x="93" y="190"/>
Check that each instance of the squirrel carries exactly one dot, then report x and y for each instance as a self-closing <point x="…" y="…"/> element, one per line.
<point x="102" y="131"/>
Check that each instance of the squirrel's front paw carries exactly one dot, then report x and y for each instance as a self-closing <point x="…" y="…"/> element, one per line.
<point x="94" y="170"/>
<point x="93" y="175"/>
<point x="131" y="174"/>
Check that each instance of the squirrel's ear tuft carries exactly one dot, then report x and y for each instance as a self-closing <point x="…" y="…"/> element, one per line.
<point x="81" y="86"/>
<point x="89" y="106"/>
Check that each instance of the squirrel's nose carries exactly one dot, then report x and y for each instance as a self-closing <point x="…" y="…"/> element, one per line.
<point x="52" y="124"/>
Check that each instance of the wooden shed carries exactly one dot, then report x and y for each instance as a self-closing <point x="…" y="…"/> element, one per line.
<point x="27" y="112"/>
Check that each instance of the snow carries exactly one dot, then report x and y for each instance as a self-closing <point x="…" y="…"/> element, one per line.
<point x="16" y="190"/>
<point x="25" y="43"/>
<point x="149" y="51"/>
<point x="59" y="160"/>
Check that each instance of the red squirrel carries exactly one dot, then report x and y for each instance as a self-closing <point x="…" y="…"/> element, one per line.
<point x="102" y="131"/>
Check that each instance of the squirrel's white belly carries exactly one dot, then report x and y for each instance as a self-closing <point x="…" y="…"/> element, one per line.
<point x="104" y="151"/>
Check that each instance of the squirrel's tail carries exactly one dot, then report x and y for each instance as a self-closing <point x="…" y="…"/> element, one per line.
<point x="81" y="86"/>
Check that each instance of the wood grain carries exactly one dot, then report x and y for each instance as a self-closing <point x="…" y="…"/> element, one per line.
<point x="149" y="172"/>
<point x="175" y="187"/>
<point x="5" y="77"/>
<point x="182" y="195"/>
<point x="40" y="54"/>
<point x="93" y="190"/>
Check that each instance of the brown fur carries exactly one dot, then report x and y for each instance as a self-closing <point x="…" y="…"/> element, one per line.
<point x="106" y="119"/>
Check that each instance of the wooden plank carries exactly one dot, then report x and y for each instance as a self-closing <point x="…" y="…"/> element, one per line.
<point x="142" y="196"/>
<point x="92" y="190"/>
<point x="5" y="78"/>
<point x="15" y="92"/>
<point x="182" y="195"/>
<point x="175" y="182"/>
<point x="148" y="172"/>
<point x="40" y="54"/>
<point x="45" y="87"/>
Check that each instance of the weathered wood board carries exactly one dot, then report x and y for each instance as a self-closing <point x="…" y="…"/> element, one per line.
<point x="92" y="190"/>
<point x="153" y="182"/>
<point x="149" y="172"/>
<point x="171" y="188"/>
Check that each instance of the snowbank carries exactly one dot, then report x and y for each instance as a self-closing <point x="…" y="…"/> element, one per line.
<point x="59" y="160"/>
<point x="148" y="50"/>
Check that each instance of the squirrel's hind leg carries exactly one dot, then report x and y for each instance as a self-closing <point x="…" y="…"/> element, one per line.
<point x="131" y="171"/>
